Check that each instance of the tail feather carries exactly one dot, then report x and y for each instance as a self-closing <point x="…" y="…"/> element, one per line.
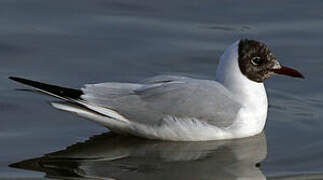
<point x="113" y="124"/>
<point x="57" y="91"/>
<point x="74" y="101"/>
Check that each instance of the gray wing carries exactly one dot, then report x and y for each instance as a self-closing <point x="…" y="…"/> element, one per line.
<point x="163" y="96"/>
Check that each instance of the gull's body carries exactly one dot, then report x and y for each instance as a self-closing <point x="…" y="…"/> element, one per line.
<point x="174" y="107"/>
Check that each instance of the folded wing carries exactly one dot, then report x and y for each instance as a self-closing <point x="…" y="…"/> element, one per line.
<point x="161" y="97"/>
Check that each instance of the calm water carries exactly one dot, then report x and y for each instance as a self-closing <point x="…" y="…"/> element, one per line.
<point x="71" y="43"/>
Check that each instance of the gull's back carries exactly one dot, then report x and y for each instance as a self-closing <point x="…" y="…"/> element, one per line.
<point x="163" y="101"/>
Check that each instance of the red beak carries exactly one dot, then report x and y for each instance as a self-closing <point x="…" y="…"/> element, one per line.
<point x="288" y="71"/>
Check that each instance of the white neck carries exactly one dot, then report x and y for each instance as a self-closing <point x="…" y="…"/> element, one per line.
<point x="250" y="94"/>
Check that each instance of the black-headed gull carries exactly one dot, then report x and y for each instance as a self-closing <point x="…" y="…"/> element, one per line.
<point x="180" y="108"/>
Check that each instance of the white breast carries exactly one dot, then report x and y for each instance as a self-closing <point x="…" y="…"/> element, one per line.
<point x="252" y="95"/>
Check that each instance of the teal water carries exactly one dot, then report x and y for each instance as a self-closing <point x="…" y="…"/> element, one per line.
<point x="72" y="43"/>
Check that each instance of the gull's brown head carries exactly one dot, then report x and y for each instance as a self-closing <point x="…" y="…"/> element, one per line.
<point x="257" y="62"/>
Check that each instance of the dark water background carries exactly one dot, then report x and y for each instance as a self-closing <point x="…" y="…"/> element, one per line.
<point x="75" y="42"/>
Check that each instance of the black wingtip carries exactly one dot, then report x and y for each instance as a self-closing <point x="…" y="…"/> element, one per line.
<point x="52" y="89"/>
<point x="13" y="78"/>
<point x="18" y="79"/>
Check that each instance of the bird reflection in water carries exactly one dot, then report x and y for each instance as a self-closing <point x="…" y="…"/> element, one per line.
<point x="115" y="156"/>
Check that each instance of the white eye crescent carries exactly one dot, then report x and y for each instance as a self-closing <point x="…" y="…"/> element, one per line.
<point x="256" y="61"/>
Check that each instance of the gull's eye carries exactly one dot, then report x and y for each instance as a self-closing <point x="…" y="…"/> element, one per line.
<point x="256" y="61"/>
